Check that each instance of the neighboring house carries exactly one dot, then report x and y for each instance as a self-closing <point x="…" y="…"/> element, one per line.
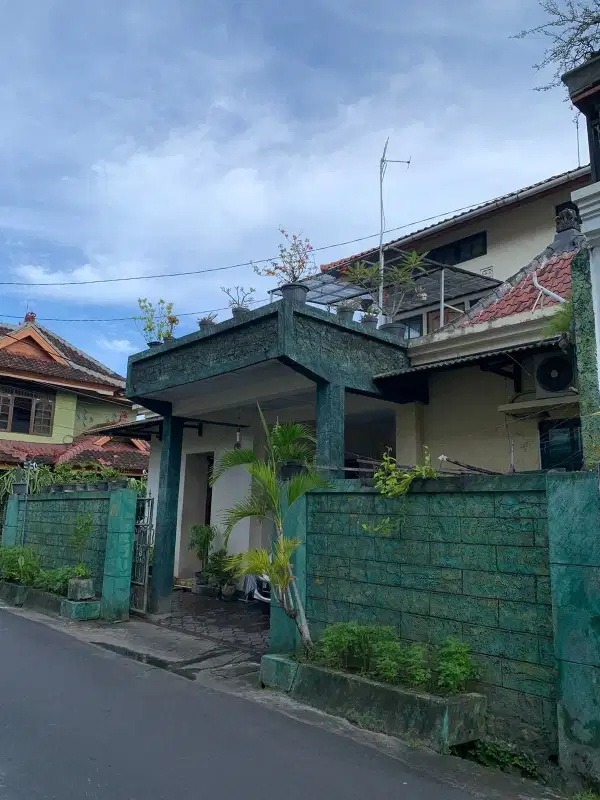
<point x="51" y="394"/>
<point x="488" y="241"/>
<point x="481" y="391"/>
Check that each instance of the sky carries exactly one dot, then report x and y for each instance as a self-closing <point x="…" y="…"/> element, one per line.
<point x="139" y="137"/>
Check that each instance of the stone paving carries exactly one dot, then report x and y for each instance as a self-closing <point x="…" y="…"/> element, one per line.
<point x="240" y="625"/>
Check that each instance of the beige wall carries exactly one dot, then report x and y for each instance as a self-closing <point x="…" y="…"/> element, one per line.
<point x="193" y="510"/>
<point x="514" y="237"/>
<point x="461" y="421"/>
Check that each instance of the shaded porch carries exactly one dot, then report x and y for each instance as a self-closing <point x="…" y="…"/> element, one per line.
<point x="299" y="364"/>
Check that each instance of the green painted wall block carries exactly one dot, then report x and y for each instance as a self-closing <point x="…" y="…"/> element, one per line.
<point x="499" y="584"/>
<point x="526" y="505"/>
<point x="519" y="532"/>
<point x="528" y="560"/>
<point x="463" y="556"/>
<point x="525" y="617"/>
<point x="475" y="610"/>
<point x="433" y="578"/>
<point x="532" y="679"/>
<point x="577" y="613"/>
<point x="398" y="599"/>
<point x="494" y="642"/>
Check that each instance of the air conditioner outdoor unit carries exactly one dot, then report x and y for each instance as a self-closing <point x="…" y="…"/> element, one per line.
<point x="554" y="375"/>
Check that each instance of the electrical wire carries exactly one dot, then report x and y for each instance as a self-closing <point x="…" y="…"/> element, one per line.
<point x="241" y="264"/>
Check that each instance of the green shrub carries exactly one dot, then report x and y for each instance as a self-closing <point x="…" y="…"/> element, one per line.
<point x="403" y="664"/>
<point x="350" y="646"/>
<point x="19" y="565"/>
<point x="454" y="666"/>
<point x="506" y="757"/>
<point x="57" y="580"/>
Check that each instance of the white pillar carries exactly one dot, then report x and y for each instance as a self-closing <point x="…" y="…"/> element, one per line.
<point x="588" y="202"/>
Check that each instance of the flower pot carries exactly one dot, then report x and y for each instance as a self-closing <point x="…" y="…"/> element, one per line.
<point x="168" y="337"/>
<point x="45" y="490"/>
<point x="80" y="487"/>
<point x="228" y="592"/>
<point x="345" y="314"/>
<point x="56" y="487"/>
<point x="290" y="469"/>
<point x="69" y="487"/>
<point x="238" y="311"/>
<point x="19" y="488"/>
<point x="294" y="291"/>
<point x="396" y="329"/>
<point x="204" y="590"/>
<point x="206" y="327"/>
<point x="119" y="484"/>
<point x="369" y="322"/>
<point x="102" y="486"/>
<point x="154" y="344"/>
<point x="81" y="589"/>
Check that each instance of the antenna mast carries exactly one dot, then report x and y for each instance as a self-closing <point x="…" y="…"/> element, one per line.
<point x="382" y="170"/>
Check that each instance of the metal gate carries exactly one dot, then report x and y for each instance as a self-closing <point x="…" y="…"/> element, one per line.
<point x="143" y="546"/>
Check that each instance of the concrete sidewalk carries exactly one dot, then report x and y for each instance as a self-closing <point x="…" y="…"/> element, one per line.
<point x="217" y="667"/>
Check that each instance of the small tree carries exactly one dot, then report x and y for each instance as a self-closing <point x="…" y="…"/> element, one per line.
<point x="238" y="296"/>
<point x="201" y="539"/>
<point x="271" y="498"/>
<point x="158" y="322"/>
<point x="572" y="32"/>
<point x="400" y="281"/>
<point x="294" y="262"/>
<point x="78" y="540"/>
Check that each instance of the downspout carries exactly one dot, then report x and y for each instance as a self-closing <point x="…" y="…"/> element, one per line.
<point x="543" y="289"/>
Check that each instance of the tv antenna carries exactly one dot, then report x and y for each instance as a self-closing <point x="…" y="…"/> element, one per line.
<point x="382" y="170"/>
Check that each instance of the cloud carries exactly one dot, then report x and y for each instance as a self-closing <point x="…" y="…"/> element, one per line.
<point x="117" y="345"/>
<point x="153" y="158"/>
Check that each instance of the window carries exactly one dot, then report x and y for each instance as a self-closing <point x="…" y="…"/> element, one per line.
<point x="414" y="327"/>
<point x="460" y="250"/>
<point x="433" y="318"/>
<point x="560" y="444"/>
<point x="22" y="411"/>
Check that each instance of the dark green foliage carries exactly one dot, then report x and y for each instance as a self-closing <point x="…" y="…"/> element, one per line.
<point x="79" y="538"/>
<point x="57" y="580"/>
<point x="19" y="565"/>
<point x="376" y="651"/>
<point x="221" y="568"/>
<point x="350" y="646"/>
<point x="454" y="666"/>
<point x="505" y="757"/>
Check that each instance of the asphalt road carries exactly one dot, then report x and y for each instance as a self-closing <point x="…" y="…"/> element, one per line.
<point x="77" y="722"/>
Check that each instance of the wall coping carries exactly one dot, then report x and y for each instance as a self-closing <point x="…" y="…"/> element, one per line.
<point x="519" y="482"/>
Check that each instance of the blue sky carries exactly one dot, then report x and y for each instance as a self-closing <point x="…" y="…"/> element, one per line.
<point x="141" y="137"/>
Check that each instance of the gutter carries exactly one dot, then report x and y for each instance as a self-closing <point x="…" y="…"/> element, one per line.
<point x="543" y="289"/>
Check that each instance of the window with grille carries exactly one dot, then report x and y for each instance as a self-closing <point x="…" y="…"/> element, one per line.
<point x="461" y="250"/>
<point x="22" y="411"/>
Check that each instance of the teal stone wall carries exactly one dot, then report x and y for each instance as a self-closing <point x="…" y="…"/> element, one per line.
<point x="574" y="532"/>
<point x="466" y="557"/>
<point x="49" y="521"/>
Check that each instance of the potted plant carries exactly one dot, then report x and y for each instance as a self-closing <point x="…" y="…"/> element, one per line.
<point x="222" y="572"/>
<point x="201" y="539"/>
<point x="401" y="280"/>
<point x="81" y="587"/>
<point x="239" y="299"/>
<point x="294" y="263"/>
<point x="345" y="311"/>
<point x="207" y="322"/>
<point x="158" y="322"/>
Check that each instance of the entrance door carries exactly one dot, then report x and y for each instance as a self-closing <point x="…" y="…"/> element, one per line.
<point x="560" y="444"/>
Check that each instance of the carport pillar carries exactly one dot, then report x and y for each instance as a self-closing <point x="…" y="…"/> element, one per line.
<point x="330" y="429"/>
<point x="163" y="565"/>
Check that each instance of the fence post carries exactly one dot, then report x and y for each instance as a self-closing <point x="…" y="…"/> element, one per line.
<point x="116" y="587"/>
<point x="10" y="530"/>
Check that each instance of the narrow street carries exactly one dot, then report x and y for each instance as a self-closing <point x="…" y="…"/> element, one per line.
<point x="78" y="722"/>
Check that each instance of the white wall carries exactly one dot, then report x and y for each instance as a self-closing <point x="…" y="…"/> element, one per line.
<point x="193" y="511"/>
<point x="229" y="489"/>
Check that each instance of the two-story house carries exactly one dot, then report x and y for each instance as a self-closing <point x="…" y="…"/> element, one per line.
<point x="51" y="393"/>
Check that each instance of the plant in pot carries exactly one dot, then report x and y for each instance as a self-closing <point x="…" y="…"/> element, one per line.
<point x="201" y="540"/>
<point x="222" y="572"/>
<point x="239" y="299"/>
<point x="294" y="263"/>
<point x="81" y="588"/>
<point x="207" y="322"/>
<point x="158" y="322"/>
<point x="345" y="311"/>
<point x="400" y="281"/>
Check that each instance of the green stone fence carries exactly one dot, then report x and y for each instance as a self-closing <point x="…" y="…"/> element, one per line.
<point x="45" y="523"/>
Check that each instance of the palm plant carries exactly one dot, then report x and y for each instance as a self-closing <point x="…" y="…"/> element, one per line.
<point x="271" y="498"/>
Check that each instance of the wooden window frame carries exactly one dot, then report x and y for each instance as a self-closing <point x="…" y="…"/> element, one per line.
<point x="11" y="392"/>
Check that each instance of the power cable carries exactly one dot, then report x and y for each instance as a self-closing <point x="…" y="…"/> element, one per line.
<point x="241" y="264"/>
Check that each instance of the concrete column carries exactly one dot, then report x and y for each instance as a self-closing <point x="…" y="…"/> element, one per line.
<point x="410" y="433"/>
<point x="330" y="429"/>
<point x="573" y="513"/>
<point x="166" y="513"/>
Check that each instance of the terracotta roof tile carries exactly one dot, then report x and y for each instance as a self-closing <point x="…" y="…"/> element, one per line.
<point x="555" y="275"/>
<point x="116" y="453"/>
<point x="38" y="366"/>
